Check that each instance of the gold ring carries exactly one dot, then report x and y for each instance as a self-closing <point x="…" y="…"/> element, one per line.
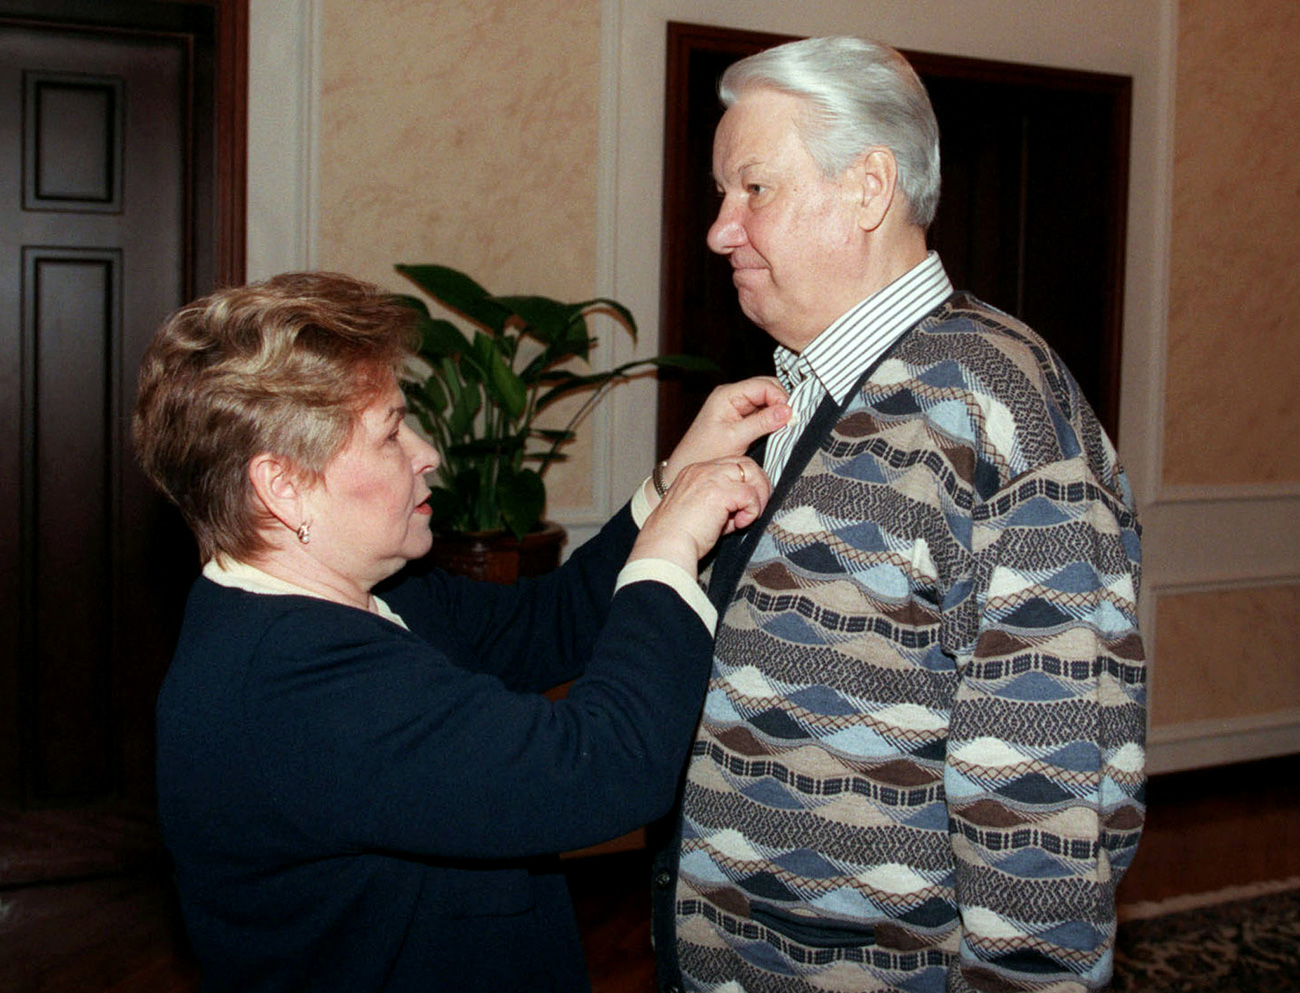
<point x="741" y="467"/>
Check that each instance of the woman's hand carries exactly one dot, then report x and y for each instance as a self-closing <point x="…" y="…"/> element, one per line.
<point x="733" y="417"/>
<point x="705" y="501"/>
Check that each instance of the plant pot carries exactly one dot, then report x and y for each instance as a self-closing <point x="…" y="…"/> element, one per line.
<point x="498" y="556"/>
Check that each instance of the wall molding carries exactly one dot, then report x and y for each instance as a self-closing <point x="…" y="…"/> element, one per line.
<point x="1197" y="744"/>
<point x="1225" y="536"/>
<point x="284" y="84"/>
<point x="1222" y="492"/>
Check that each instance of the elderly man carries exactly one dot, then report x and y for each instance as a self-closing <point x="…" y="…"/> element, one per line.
<point x="919" y="766"/>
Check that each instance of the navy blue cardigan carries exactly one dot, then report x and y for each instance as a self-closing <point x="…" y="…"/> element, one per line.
<point x="354" y="807"/>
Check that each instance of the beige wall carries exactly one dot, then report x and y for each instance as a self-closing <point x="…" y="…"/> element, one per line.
<point x="464" y="134"/>
<point x="1231" y="411"/>
<point x="1231" y="399"/>
<point x="1227" y="645"/>
<point x="468" y="133"/>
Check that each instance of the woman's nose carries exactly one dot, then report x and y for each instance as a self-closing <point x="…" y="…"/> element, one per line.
<point x="424" y="457"/>
<point x="431" y="459"/>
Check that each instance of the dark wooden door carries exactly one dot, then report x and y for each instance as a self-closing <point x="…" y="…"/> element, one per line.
<point x="96" y="228"/>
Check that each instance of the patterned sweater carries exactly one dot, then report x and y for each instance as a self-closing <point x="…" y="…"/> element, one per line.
<point x="920" y="763"/>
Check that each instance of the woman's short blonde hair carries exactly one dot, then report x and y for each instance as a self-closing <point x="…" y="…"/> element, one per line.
<point x="282" y="366"/>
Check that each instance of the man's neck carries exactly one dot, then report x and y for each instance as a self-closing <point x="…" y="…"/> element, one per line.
<point x="891" y="260"/>
<point x="899" y="254"/>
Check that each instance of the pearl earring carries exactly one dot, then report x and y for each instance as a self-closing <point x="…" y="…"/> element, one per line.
<point x="304" y="533"/>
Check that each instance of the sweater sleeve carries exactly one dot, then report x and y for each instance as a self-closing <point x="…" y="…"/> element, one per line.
<point x="532" y="635"/>
<point x="366" y="737"/>
<point x="1045" y="755"/>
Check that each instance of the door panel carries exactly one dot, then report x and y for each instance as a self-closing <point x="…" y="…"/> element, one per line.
<point x="71" y="142"/>
<point x="69" y="334"/>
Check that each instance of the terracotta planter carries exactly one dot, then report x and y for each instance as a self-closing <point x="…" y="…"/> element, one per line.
<point x="497" y="556"/>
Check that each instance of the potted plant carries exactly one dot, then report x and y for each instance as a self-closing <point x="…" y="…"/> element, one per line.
<point x="478" y="396"/>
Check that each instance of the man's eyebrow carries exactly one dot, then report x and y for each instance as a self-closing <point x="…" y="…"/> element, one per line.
<point x="753" y="162"/>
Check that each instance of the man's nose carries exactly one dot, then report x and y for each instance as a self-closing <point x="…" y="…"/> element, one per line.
<point x="726" y="233"/>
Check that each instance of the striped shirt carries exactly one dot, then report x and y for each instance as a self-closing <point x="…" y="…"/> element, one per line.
<point x="835" y="359"/>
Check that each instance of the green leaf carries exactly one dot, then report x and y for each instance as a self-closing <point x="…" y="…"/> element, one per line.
<point x="573" y="384"/>
<point x="605" y="303"/>
<point x="426" y="421"/>
<point x="553" y="434"/>
<point x="435" y="394"/>
<point x="503" y="385"/>
<point x="557" y="376"/>
<point x="546" y="458"/>
<point x="547" y="320"/>
<point x="522" y="499"/>
<point x="462" y="372"/>
<point x="463" y="411"/>
<point x="457" y="291"/>
<point x="575" y="342"/>
<point x="439" y="338"/>
<point x="425" y="394"/>
<point x="560" y="327"/>
<point x="417" y="304"/>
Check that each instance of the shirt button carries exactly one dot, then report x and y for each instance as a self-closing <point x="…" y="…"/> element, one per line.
<point x="664" y="879"/>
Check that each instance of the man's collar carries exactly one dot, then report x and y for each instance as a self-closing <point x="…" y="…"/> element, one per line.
<point x="791" y="367"/>
<point x="863" y="332"/>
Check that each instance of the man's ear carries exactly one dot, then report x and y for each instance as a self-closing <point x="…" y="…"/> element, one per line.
<point x="875" y="184"/>
<point x="278" y="487"/>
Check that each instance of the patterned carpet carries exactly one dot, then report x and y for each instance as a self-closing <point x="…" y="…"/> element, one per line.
<point x="1238" y="946"/>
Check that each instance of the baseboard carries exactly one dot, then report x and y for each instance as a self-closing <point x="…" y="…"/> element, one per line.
<point x="1199" y="744"/>
<point x="1147" y="909"/>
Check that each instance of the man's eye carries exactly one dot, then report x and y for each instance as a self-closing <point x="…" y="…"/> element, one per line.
<point x="755" y="189"/>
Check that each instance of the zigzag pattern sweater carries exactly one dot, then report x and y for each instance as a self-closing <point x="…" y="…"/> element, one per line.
<point x="920" y="762"/>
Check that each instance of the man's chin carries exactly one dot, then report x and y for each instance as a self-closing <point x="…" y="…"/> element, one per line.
<point x="751" y="302"/>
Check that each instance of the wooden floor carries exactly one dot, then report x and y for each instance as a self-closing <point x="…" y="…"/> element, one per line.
<point x="119" y="932"/>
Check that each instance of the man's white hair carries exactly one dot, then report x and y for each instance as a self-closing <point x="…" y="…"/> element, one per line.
<point x="858" y="94"/>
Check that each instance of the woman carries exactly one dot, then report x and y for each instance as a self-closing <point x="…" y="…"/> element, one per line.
<point x="360" y="791"/>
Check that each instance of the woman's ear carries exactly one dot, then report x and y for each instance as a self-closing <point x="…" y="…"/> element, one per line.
<point x="875" y="179"/>
<point x="278" y="488"/>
